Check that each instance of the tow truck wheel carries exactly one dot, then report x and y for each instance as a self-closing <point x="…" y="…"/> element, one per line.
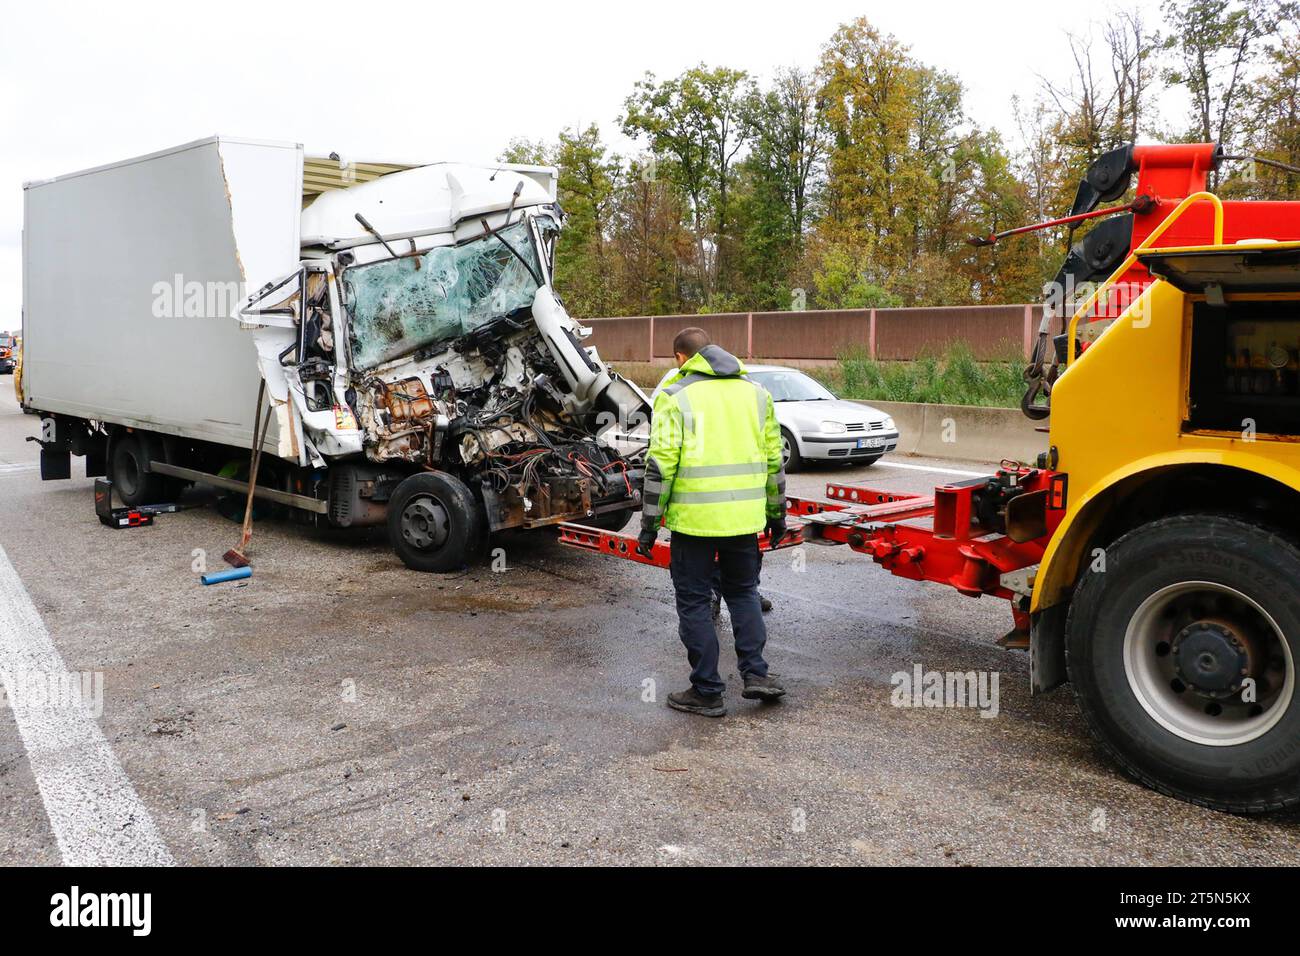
<point x="790" y="457"/>
<point x="134" y="485"/>
<point x="435" y="523"/>
<point x="1181" y="644"/>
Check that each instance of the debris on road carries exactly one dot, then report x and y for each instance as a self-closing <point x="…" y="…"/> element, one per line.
<point x="220" y="577"/>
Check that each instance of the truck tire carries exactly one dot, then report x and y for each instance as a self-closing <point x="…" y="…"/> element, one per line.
<point x="790" y="456"/>
<point x="1165" y="627"/>
<point x="435" y="523"/>
<point x="134" y="485"/>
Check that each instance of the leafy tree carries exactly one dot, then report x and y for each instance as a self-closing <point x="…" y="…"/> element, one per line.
<point x="894" y="125"/>
<point x="778" y="185"/>
<point x="1273" y="127"/>
<point x="651" y="249"/>
<point x="1213" y="44"/>
<point x="526" y="152"/>
<point x="844" y="279"/>
<point x="699" y="122"/>
<point x="859" y="179"/>
<point x="589" y="180"/>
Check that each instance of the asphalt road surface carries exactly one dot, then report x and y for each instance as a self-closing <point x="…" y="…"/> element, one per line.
<point x="341" y="709"/>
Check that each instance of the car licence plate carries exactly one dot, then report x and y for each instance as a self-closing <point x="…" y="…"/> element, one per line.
<point x="870" y="442"/>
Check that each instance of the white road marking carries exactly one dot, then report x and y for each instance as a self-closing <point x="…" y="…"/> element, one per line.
<point x="18" y="468"/>
<point x="940" y="471"/>
<point x="97" y="817"/>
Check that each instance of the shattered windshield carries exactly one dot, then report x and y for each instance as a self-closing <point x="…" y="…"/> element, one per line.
<point x="399" y="305"/>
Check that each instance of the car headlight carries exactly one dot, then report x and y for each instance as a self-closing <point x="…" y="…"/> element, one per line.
<point x="889" y="425"/>
<point x="833" y="428"/>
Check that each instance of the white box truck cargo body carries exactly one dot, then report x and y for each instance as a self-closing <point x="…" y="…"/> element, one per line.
<point x="131" y="272"/>
<point x="418" y="370"/>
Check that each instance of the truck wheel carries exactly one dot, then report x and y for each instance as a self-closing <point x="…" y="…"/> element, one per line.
<point x="435" y="523"/>
<point x="790" y="457"/>
<point x="134" y="485"/>
<point x="1181" y="645"/>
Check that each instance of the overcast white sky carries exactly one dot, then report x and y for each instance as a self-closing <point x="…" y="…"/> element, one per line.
<point x="87" y="83"/>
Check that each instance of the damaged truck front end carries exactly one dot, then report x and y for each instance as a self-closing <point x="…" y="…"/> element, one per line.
<point x="431" y="374"/>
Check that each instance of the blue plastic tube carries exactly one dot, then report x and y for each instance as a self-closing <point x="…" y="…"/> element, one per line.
<point x="234" y="574"/>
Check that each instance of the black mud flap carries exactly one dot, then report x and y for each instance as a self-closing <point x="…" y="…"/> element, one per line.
<point x="1047" y="649"/>
<point x="56" y="464"/>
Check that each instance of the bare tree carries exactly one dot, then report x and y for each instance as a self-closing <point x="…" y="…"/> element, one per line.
<point x="1087" y="103"/>
<point x="1132" y="46"/>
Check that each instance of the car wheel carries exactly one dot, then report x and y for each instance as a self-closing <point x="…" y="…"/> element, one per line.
<point x="791" y="460"/>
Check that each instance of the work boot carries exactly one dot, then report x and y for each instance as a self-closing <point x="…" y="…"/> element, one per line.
<point x="764" y="603"/>
<point x="762" y="688"/>
<point x="693" y="702"/>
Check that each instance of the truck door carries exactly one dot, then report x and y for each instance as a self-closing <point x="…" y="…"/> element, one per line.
<point x="300" y="347"/>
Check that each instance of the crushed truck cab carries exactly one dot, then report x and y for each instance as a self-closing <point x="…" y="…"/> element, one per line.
<point x="422" y="334"/>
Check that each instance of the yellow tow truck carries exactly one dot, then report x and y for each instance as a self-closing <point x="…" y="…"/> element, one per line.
<point x="1151" y="554"/>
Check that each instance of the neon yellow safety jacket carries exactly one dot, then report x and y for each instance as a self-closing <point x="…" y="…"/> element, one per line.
<point x="714" y="464"/>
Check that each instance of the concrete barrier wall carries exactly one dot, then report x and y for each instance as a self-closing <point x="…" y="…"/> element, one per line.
<point x="964" y="432"/>
<point x="821" y="336"/>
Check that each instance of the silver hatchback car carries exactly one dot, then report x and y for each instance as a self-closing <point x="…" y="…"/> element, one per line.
<point x="817" y="426"/>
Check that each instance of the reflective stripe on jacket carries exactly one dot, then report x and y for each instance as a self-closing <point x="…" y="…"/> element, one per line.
<point x="714" y="464"/>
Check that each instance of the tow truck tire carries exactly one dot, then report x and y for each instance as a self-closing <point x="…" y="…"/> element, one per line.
<point x="790" y="451"/>
<point x="1163" y="630"/>
<point x="435" y="523"/>
<point x="134" y="486"/>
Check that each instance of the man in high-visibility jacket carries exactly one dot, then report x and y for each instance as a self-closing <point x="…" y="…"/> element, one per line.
<point x="715" y="603"/>
<point x="714" y="478"/>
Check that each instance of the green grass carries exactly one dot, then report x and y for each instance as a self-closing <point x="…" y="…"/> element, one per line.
<point x="954" y="379"/>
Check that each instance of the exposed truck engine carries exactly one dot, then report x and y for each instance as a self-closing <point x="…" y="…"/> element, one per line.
<point x="415" y="366"/>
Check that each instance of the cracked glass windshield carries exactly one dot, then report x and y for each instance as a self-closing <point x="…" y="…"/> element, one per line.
<point x="399" y="305"/>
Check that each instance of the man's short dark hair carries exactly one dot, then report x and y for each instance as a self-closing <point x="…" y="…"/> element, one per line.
<point x="689" y="341"/>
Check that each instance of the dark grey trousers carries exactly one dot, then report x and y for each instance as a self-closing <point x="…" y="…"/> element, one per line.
<point x="736" y="561"/>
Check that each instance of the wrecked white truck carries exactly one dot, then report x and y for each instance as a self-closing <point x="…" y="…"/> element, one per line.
<point x="416" y="365"/>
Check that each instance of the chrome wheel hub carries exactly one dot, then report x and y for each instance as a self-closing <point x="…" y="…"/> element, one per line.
<point x="1208" y="663"/>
